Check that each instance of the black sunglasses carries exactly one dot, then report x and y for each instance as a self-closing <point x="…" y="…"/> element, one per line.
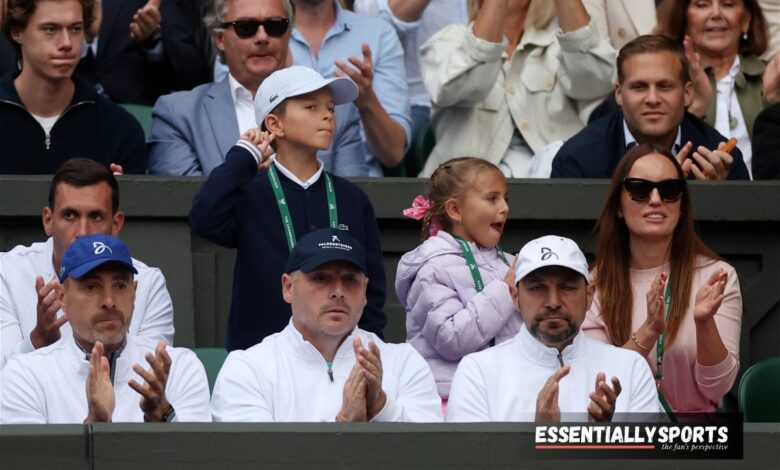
<point x="640" y="189"/>
<point x="247" y="28"/>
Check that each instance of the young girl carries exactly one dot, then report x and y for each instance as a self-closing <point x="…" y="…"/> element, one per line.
<point x="457" y="285"/>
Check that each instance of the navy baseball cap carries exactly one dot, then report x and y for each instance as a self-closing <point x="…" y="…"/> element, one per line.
<point x="323" y="246"/>
<point x="89" y="252"/>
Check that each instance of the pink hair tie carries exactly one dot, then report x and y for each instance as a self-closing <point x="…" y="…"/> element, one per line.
<point x="420" y="206"/>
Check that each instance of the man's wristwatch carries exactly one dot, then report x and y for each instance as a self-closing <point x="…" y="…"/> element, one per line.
<point x="166" y="418"/>
<point x="169" y="415"/>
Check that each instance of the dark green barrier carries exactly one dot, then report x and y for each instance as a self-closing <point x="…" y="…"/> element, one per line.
<point x="322" y="446"/>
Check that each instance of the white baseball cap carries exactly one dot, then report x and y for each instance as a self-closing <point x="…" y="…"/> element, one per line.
<point x="551" y="250"/>
<point x="295" y="81"/>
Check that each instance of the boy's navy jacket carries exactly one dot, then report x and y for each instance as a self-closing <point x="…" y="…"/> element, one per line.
<point x="236" y="208"/>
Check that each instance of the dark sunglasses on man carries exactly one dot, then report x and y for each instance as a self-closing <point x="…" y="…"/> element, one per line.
<point x="640" y="189"/>
<point x="247" y="28"/>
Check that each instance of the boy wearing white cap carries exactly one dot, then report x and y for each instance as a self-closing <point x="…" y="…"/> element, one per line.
<point x="550" y="371"/>
<point x="261" y="205"/>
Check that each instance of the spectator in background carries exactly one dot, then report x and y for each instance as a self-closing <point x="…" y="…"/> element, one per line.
<point x="192" y="131"/>
<point x="653" y="90"/>
<point x="621" y="21"/>
<point x="83" y="200"/>
<point x="144" y="49"/>
<point x="8" y="60"/>
<point x="46" y="114"/>
<point x="95" y="375"/>
<point x="513" y="80"/>
<point x="366" y="50"/>
<point x="723" y="41"/>
<point x="415" y="21"/>
<point x="766" y="144"/>
<point x="322" y="366"/>
<point x="771" y="9"/>
<point x="660" y="291"/>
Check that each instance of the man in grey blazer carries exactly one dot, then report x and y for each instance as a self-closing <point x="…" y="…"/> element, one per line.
<point x="193" y="130"/>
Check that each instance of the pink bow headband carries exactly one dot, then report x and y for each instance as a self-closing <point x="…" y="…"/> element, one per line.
<point x="420" y="207"/>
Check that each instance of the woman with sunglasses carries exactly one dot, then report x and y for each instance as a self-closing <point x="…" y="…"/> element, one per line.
<point x="660" y="290"/>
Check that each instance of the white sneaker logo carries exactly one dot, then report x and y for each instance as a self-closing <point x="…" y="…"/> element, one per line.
<point x="100" y="247"/>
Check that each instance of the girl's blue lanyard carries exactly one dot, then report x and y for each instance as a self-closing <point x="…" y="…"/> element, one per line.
<point x="659" y="353"/>
<point x="474" y="269"/>
<point x="284" y="211"/>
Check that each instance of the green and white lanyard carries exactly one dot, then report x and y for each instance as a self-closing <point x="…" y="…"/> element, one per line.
<point x="479" y="284"/>
<point x="284" y="211"/>
<point x="659" y="352"/>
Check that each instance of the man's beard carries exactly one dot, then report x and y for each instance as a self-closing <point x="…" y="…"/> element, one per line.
<point x="556" y="337"/>
<point x="110" y="337"/>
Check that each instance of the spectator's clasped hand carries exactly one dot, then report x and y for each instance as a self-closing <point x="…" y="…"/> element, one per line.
<point x="262" y="140"/>
<point x="706" y="164"/>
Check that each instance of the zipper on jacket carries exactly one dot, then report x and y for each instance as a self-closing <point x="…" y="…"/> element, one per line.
<point x="330" y="370"/>
<point x="48" y="134"/>
<point x="47" y="140"/>
<point x="560" y="359"/>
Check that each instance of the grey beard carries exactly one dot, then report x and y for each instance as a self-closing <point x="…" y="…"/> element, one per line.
<point x="106" y="339"/>
<point x="553" y="339"/>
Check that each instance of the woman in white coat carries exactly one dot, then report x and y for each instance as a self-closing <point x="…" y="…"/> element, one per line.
<point x="513" y="80"/>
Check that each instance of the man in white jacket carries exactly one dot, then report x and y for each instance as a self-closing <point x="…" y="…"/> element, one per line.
<point x="321" y="367"/>
<point x="83" y="200"/>
<point x="551" y="371"/>
<point x="96" y="374"/>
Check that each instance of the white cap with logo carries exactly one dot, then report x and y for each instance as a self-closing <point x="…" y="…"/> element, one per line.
<point x="295" y="81"/>
<point x="551" y="250"/>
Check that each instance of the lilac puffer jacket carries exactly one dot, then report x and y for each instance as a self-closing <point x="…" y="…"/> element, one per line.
<point x="446" y="318"/>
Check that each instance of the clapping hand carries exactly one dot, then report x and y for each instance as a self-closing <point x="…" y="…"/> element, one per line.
<point x="153" y="401"/>
<point x="100" y="391"/>
<point x="706" y="164"/>
<point x="710" y="296"/>
<point x="353" y="405"/>
<point x="47" y="326"/>
<point x="656" y="307"/>
<point x="363" y="76"/>
<point x="370" y="362"/>
<point x="547" y="409"/>
<point x="603" y="399"/>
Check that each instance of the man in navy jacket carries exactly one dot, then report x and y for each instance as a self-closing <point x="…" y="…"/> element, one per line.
<point x="653" y="90"/>
<point x="146" y="48"/>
